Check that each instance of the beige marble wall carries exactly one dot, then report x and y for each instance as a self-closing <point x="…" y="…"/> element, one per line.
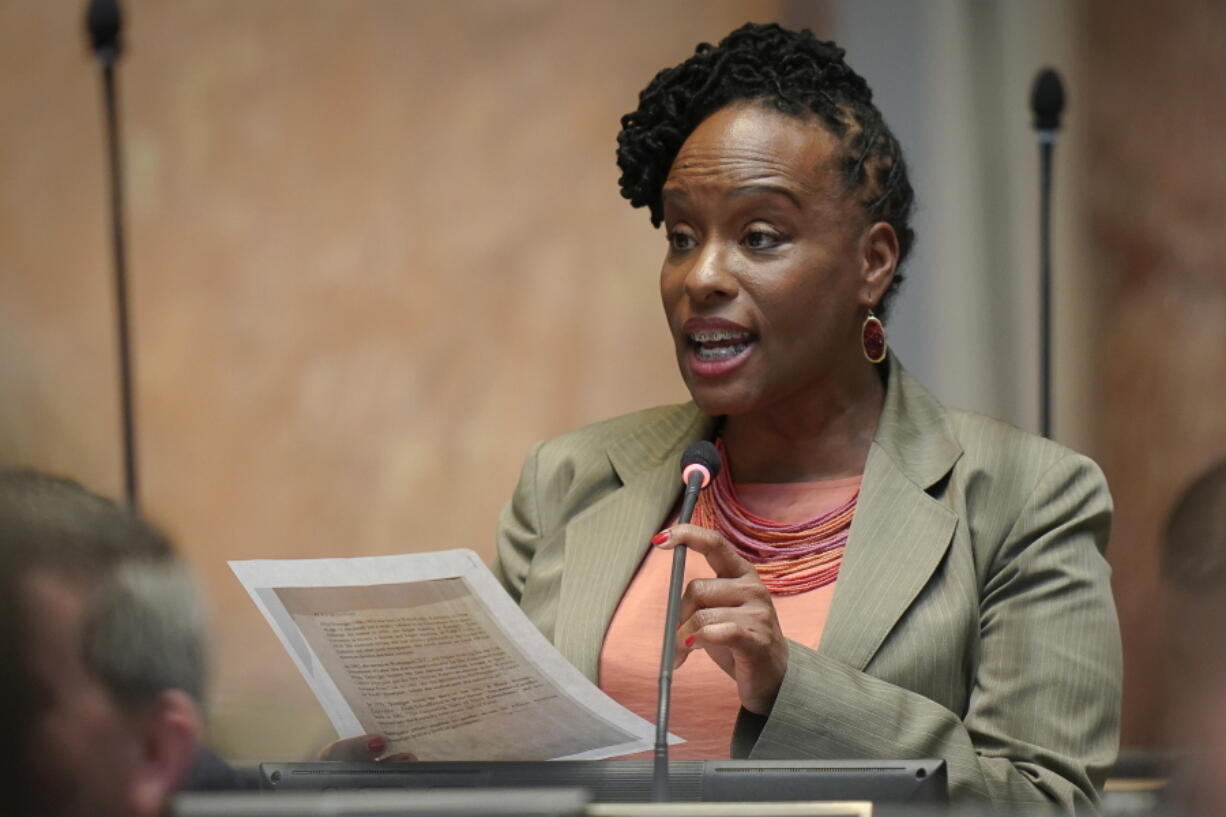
<point x="377" y="251"/>
<point x="1154" y="187"/>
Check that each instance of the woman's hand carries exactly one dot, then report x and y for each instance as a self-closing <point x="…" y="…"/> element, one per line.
<point x="732" y="618"/>
<point x="365" y="748"/>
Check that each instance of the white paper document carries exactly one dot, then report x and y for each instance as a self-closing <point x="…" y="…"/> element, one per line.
<point x="428" y="650"/>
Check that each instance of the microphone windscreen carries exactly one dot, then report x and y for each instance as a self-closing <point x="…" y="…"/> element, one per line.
<point x="1047" y="100"/>
<point x="102" y="19"/>
<point x="702" y="454"/>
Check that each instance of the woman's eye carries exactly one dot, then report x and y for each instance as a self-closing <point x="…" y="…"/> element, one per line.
<point x="680" y="241"/>
<point x="761" y="240"/>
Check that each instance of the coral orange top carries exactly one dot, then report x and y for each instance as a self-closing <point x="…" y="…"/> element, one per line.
<point x="704" y="700"/>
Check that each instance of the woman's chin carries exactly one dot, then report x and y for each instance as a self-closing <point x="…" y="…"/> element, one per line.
<point x="718" y="400"/>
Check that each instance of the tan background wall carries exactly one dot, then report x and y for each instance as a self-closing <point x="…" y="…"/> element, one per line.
<point x="377" y="251"/>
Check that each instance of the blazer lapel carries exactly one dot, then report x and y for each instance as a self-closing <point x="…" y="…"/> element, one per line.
<point x="897" y="538"/>
<point x="900" y="533"/>
<point x="606" y="542"/>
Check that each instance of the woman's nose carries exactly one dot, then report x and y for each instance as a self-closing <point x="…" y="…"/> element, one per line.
<point x="709" y="278"/>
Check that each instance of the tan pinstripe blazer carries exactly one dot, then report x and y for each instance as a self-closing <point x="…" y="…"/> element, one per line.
<point x="972" y="620"/>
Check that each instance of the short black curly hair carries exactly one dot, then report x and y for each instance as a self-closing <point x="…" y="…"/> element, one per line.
<point x="798" y="75"/>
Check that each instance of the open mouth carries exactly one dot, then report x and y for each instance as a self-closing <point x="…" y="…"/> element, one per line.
<point x="718" y="344"/>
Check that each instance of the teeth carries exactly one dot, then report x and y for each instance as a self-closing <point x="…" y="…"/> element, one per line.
<point x="719" y="334"/>
<point x="721" y="352"/>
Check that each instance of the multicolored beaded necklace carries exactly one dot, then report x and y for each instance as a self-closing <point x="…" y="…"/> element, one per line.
<point x="790" y="559"/>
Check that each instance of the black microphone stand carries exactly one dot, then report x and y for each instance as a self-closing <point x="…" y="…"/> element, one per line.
<point x="1047" y="143"/>
<point x="1046" y="103"/>
<point x="103" y="22"/>
<point x="659" y="780"/>
<point x="699" y="465"/>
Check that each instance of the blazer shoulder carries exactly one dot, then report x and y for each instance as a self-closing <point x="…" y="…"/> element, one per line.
<point x="1003" y="467"/>
<point x="664" y="422"/>
<point x="987" y="441"/>
<point x="581" y="465"/>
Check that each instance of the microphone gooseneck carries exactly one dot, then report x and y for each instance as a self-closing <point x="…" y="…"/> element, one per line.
<point x="104" y="24"/>
<point x="699" y="465"/>
<point x="1047" y="104"/>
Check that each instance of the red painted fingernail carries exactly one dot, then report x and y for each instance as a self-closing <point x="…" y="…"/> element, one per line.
<point x="660" y="538"/>
<point x="376" y="745"/>
<point x="690" y="639"/>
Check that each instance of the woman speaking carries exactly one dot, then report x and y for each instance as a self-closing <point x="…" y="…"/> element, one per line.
<point x="875" y="575"/>
<point x="880" y="576"/>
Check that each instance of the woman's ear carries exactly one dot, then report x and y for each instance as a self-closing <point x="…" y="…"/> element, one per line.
<point x="171" y="728"/>
<point x="880" y="254"/>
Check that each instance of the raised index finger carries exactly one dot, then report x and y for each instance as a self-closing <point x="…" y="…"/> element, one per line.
<point x="719" y="553"/>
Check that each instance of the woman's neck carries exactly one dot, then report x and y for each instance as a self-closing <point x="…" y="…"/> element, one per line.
<point x="822" y="434"/>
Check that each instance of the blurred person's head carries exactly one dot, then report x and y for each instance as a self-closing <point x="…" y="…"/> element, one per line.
<point x="1194" y="565"/>
<point x="104" y="632"/>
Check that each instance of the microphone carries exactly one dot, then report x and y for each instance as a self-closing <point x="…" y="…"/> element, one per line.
<point x="1046" y="103"/>
<point x="699" y="465"/>
<point x="103" y="21"/>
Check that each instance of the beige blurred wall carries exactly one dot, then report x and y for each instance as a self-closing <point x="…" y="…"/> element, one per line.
<point x="376" y="251"/>
<point x="1154" y="197"/>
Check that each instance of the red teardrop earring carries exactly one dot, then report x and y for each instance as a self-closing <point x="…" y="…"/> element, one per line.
<point x="872" y="338"/>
